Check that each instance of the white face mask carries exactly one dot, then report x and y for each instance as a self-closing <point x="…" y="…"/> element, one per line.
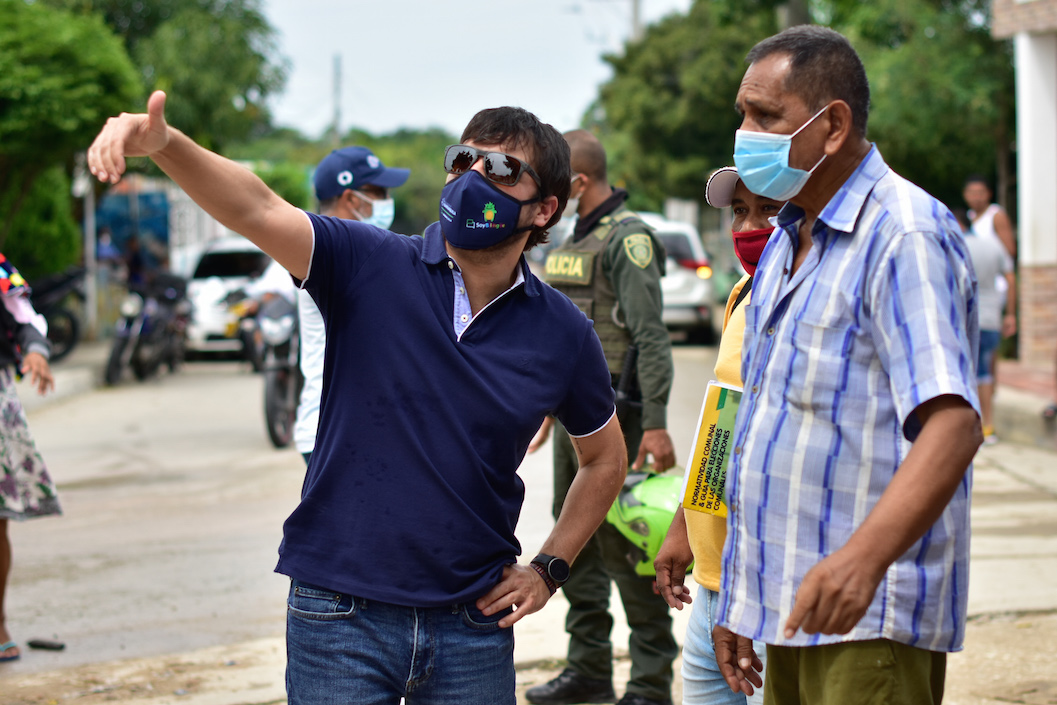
<point x="383" y="210"/>
<point x="572" y="206"/>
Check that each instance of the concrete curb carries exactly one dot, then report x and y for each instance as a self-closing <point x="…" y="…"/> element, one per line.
<point x="1018" y="418"/>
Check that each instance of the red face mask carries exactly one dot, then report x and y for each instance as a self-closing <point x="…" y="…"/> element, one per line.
<point x="748" y="246"/>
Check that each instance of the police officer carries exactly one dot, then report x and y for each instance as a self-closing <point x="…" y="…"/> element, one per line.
<point x="611" y="267"/>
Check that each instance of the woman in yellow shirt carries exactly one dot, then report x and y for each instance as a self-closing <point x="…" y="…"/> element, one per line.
<point x="696" y="536"/>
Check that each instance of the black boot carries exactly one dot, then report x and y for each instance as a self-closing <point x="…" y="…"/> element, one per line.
<point x="570" y="688"/>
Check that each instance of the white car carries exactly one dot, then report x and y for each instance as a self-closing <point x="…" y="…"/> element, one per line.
<point x="687" y="284"/>
<point x="228" y="264"/>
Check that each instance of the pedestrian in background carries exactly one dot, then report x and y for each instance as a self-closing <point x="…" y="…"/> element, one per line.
<point x="444" y="355"/>
<point x="998" y="312"/>
<point x="611" y="267"/>
<point x="696" y="537"/>
<point x="353" y="184"/>
<point x="848" y="492"/>
<point x="989" y="220"/>
<point x="26" y="488"/>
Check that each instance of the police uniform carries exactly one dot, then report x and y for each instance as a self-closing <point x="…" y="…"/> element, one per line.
<point x="613" y="273"/>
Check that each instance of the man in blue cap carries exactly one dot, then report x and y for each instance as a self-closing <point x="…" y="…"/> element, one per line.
<point x="351" y="183"/>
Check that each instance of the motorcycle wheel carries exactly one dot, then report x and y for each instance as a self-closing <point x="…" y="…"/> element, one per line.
<point x="177" y="352"/>
<point x="115" y="365"/>
<point x="279" y="411"/>
<point x="64" y="331"/>
<point x="252" y="351"/>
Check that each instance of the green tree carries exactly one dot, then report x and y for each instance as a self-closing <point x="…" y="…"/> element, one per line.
<point x="289" y="180"/>
<point x="942" y="91"/>
<point x="215" y="65"/>
<point x="217" y="59"/>
<point x="44" y="238"/>
<point x="61" y="76"/>
<point x="667" y="115"/>
<point x="942" y="88"/>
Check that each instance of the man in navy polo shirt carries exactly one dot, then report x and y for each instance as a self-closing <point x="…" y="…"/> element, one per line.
<point x="444" y="354"/>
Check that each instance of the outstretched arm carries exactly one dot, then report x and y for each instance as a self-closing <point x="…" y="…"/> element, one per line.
<point x="230" y="193"/>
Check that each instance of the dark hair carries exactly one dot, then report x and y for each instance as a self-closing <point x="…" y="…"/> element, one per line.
<point x="978" y="179"/>
<point x="546" y="148"/>
<point x="588" y="154"/>
<point x="824" y="67"/>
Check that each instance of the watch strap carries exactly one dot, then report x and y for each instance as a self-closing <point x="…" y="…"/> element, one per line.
<point x="547" y="579"/>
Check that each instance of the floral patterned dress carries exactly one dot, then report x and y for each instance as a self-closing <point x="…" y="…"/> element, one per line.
<point x="26" y="488"/>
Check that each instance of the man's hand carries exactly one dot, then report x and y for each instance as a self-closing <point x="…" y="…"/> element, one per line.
<point x="1009" y="325"/>
<point x="129" y="135"/>
<point x="656" y="442"/>
<point x="739" y="664"/>
<point x="834" y="594"/>
<point x="542" y="434"/>
<point x="521" y="587"/>
<point x="671" y="562"/>
<point x="36" y="366"/>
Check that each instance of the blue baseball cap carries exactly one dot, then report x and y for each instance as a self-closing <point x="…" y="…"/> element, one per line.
<point x="351" y="168"/>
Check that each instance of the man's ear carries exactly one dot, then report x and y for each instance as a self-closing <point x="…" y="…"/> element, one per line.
<point x="547" y="208"/>
<point x="841" y="127"/>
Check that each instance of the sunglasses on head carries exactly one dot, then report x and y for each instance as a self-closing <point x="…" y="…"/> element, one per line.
<point x="499" y="168"/>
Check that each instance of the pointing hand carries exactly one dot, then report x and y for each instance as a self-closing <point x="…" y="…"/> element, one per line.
<point x="129" y="135"/>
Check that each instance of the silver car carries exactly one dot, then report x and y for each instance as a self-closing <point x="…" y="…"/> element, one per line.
<point x="687" y="287"/>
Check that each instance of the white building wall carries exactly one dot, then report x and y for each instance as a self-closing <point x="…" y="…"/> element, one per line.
<point x="1036" y="62"/>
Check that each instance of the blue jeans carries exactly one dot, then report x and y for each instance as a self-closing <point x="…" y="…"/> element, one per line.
<point x="703" y="684"/>
<point x="343" y="650"/>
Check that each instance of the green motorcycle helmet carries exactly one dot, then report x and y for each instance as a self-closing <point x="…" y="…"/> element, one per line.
<point x="643" y="512"/>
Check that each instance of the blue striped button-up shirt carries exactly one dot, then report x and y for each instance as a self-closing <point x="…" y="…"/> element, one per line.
<point x="879" y="318"/>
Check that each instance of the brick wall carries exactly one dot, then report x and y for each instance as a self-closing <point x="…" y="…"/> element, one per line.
<point x="1012" y="16"/>
<point x="1038" y="315"/>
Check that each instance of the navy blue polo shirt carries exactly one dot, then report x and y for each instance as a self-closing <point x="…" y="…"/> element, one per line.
<point x="412" y="494"/>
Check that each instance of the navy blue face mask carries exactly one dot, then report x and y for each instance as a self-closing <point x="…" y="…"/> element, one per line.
<point x="475" y="215"/>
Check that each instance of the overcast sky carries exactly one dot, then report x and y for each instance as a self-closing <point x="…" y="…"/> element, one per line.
<point x="424" y="63"/>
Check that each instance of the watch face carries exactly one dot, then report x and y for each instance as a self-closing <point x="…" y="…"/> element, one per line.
<point x="559" y="570"/>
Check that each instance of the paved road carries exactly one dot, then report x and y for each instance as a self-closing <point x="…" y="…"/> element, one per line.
<point x="159" y="576"/>
<point x="174" y="502"/>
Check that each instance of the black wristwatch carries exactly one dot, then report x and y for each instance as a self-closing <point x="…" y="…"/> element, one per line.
<point x="553" y="570"/>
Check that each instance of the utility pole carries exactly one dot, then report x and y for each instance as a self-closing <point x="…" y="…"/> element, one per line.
<point x="794" y="12"/>
<point x="335" y="127"/>
<point x="636" y="20"/>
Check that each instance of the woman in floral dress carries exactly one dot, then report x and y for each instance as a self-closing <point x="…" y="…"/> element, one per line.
<point x="26" y="489"/>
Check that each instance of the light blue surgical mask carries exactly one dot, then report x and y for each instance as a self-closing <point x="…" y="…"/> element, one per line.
<point x="383" y="210"/>
<point x="762" y="159"/>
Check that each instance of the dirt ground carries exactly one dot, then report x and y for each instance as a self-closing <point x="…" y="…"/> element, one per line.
<point x="1007" y="659"/>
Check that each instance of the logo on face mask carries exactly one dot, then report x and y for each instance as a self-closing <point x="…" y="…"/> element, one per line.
<point x="471" y="193"/>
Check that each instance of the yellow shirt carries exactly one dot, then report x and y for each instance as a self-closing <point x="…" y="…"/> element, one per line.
<point x="707" y="532"/>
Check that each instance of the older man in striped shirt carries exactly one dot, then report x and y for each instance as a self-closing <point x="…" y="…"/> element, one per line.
<point x="848" y="536"/>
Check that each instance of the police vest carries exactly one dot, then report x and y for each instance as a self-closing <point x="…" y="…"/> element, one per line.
<point x="575" y="269"/>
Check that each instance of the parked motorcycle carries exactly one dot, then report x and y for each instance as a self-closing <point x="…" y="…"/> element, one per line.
<point x="278" y="323"/>
<point x="152" y="330"/>
<point x="244" y="326"/>
<point x="50" y="296"/>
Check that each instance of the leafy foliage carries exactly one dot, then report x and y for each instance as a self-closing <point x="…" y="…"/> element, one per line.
<point x="289" y="180"/>
<point x="942" y="105"/>
<point x="668" y="111"/>
<point x="61" y="76"/>
<point x="215" y="66"/>
<point x="942" y="92"/>
<point x="44" y="237"/>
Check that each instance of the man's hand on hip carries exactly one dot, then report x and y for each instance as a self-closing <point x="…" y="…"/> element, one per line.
<point x="521" y="588"/>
